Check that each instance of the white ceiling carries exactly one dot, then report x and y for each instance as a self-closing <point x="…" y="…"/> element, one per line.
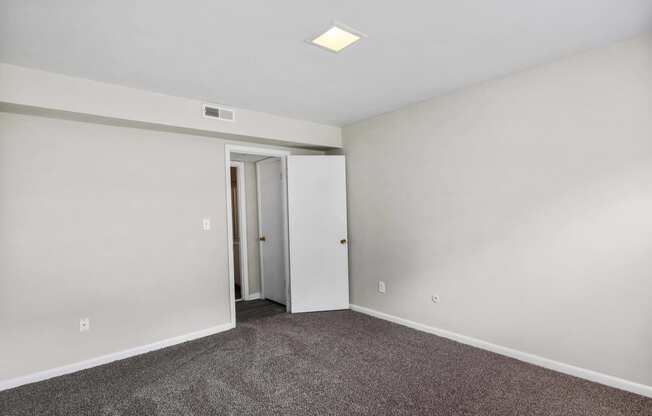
<point x="252" y="54"/>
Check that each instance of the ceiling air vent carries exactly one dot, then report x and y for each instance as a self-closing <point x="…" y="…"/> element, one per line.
<point x="220" y="113"/>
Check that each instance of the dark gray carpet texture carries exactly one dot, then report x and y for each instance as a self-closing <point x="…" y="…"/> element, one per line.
<point x="331" y="363"/>
<point x="255" y="309"/>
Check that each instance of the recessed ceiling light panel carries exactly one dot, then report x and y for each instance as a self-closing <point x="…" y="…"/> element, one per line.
<point x="337" y="37"/>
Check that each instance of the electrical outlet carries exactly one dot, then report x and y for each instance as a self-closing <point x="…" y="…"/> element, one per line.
<point x="84" y="325"/>
<point x="381" y="286"/>
<point x="434" y="298"/>
<point x="206" y="224"/>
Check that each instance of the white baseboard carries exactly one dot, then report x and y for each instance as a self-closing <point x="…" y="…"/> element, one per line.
<point x="254" y="296"/>
<point x="590" y="375"/>
<point x="105" y="359"/>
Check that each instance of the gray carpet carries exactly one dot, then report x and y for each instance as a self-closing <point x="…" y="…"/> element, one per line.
<point x="334" y="363"/>
<point x="256" y="309"/>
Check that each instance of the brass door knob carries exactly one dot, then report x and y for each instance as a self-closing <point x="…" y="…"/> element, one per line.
<point x="262" y="238"/>
<point x="343" y="241"/>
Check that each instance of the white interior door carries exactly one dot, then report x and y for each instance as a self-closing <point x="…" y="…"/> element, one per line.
<point x="319" y="271"/>
<point x="272" y="229"/>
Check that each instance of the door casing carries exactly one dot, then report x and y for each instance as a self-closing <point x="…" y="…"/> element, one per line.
<point x="262" y="151"/>
<point x="242" y="232"/>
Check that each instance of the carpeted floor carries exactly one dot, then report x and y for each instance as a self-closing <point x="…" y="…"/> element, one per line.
<point x="256" y="309"/>
<point x="333" y="363"/>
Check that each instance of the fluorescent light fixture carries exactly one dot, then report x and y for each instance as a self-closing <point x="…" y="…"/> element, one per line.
<point x="337" y="38"/>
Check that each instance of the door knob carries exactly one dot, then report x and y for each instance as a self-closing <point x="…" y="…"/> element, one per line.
<point x="343" y="241"/>
<point x="262" y="238"/>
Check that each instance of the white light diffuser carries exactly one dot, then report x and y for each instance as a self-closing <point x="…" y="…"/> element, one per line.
<point x="336" y="38"/>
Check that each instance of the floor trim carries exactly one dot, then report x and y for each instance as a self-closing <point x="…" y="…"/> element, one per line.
<point x="590" y="375"/>
<point x="105" y="359"/>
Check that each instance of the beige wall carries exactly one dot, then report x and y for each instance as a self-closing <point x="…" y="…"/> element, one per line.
<point x="104" y="102"/>
<point x="105" y="222"/>
<point x="525" y="203"/>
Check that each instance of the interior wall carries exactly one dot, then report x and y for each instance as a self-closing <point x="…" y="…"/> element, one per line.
<point x="105" y="222"/>
<point x="253" y="248"/>
<point x="75" y="97"/>
<point x="524" y="203"/>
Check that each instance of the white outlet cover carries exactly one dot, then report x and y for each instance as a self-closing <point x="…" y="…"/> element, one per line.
<point x="84" y="324"/>
<point x="206" y="224"/>
<point x="381" y="286"/>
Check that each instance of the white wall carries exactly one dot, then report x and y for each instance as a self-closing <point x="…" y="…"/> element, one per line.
<point x="58" y="94"/>
<point x="105" y="222"/>
<point x="525" y="203"/>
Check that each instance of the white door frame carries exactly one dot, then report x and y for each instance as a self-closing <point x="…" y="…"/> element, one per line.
<point x="242" y="231"/>
<point x="263" y="151"/>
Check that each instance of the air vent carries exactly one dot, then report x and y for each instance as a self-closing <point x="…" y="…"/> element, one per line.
<point x="220" y="113"/>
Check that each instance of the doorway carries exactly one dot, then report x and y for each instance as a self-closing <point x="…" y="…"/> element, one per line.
<point x="239" y="230"/>
<point x="299" y="230"/>
<point x="258" y="230"/>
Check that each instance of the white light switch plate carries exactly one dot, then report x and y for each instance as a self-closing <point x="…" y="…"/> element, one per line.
<point x="381" y="286"/>
<point x="206" y="223"/>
